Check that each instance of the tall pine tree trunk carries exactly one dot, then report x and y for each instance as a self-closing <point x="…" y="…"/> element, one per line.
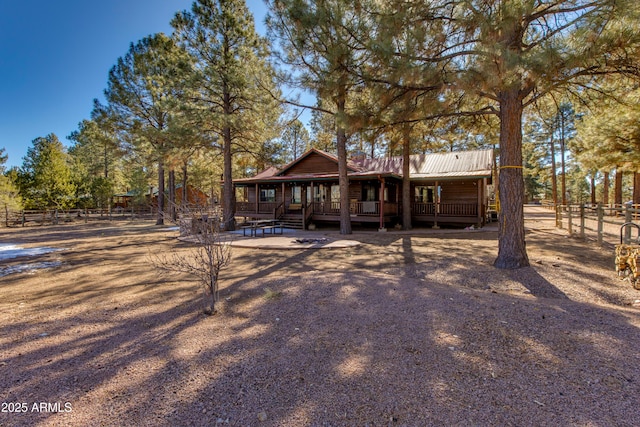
<point x="228" y="195"/>
<point x="343" y="177"/>
<point x="160" y="215"/>
<point x="229" y="208"/>
<point x="554" y="175"/>
<point x="618" y="188"/>
<point x="562" y="159"/>
<point x="172" y="195"/>
<point x="185" y="195"/>
<point x="511" y="244"/>
<point x="406" y="181"/>
<point x="593" y="189"/>
<point x="636" y="188"/>
<point x="605" y="188"/>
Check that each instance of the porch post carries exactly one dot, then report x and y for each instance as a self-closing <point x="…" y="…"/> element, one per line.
<point x="479" y="208"/>
<point x="257" y="197"/>
<point x="382" y="205"/>
<point x="436" y="207"/>
<point x="283" y="196"/>
<point x="303" y="199"/>
<point x="312" y="194"/>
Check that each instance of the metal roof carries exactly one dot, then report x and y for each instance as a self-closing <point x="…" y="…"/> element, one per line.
<point x="313" y="177"/>
<point x="437" y="165"/>
<point x="452" y="165"/>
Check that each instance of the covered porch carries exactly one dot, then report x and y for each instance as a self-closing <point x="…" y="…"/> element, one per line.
<point x="370" y="200"/>
<point x="456" y="202"/>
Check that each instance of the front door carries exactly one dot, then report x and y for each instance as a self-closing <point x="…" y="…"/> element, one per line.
<point x="319" y="197"/>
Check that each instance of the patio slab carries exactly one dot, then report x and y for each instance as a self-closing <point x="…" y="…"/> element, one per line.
<point x="289" y="239"/>
<point x="332" y="240"/>
<point x="293" y="242"/>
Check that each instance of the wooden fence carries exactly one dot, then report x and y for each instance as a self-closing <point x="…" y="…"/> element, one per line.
<point x="601" y="223"/>
<point x="56" y="216"/>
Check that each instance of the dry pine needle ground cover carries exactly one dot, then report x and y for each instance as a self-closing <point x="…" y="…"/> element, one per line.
<point x="402" y="330"/>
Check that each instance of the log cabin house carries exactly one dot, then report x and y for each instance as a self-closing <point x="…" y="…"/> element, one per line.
<point x="446" y="188"/>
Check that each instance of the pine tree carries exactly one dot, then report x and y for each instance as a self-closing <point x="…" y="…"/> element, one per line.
<point x="321" y="42"/>
<point x="3" y="159"/>
<point x="608" y="136"/>
<point x="96" y="153"/>
<point x="10" y="200"/>
<point x="233" y="102"/>
<point x="143" y="92"/>
<point x="295" y="139"/>
<point x="45" y="178"/>
<point x="512" y="52"/>
<point x="323" y="130"/>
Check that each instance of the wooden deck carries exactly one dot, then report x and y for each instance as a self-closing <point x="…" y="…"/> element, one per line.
<point x="369" y="212"/>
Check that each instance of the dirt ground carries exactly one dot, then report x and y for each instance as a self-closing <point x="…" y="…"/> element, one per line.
<point x="407" y="328"/>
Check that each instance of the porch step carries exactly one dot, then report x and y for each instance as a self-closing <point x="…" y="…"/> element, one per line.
<point x="292" y="221"/>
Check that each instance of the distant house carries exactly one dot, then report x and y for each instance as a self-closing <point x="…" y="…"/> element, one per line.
<point x="447" y="188"/>
<point x="194" y="196"/>
<point x="124" y="200"/>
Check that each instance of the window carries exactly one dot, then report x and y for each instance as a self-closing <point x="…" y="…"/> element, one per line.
<point x="369" y="193"/>
<point x="335" y="193"/>
<point x="424" y="194"/>
<point x="268" y="195"/>
<point x="319" y="193"/>
<point x="296" y="194"/>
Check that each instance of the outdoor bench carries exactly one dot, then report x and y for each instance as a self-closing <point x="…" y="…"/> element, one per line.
<point x="245" y="228"/>
<point x="272" y="228"/>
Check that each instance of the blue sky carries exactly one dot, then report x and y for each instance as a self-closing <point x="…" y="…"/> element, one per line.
<point x="55" y="56"/>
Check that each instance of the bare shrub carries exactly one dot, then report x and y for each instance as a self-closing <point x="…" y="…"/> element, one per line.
<point x="205" y="260"/>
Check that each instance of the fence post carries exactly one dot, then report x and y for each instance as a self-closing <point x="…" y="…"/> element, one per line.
<point x="600" y="222"/>
<point x="582" y="221"/>
<point x="627" y="218"/>
<point x="569" y="220"/>
<point x="559" y="216"/>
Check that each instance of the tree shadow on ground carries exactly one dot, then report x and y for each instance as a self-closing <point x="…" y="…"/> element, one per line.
<point x="415" y="338"/>
<point x="370" y="349"/>
<point x="92" y="351"/>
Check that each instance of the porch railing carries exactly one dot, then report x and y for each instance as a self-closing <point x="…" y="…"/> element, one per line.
<point x="444" y="209"/>
<point x="421" y="208"/>
<point x="367" y="208"/>
<point x="458" y="209"/>
<point x="245" y="207"/>
<point x="278" y="211"/>
<point x="307" y="212"/>
<point x="263" y="207"/>
<point x="356" y="208"/>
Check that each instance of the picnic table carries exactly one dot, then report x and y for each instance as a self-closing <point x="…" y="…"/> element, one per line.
<point x="265" y="225"/>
